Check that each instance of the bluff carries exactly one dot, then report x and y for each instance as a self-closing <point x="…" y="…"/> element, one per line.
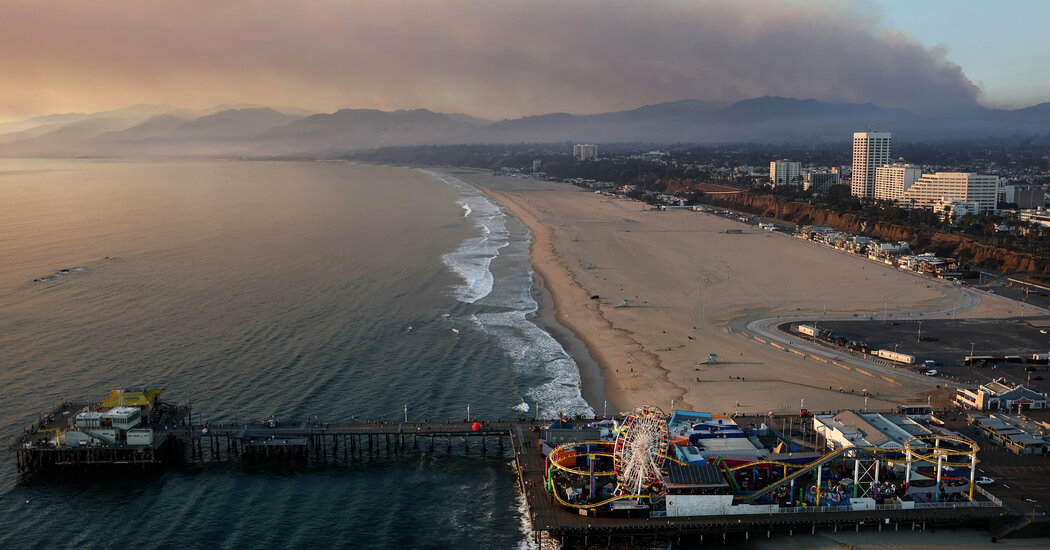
<point x="963" y="248"/>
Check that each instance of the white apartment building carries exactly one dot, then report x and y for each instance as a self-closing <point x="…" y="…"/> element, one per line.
<point x="933" y="189"/>
<point x="870" y="150"/>
<point x="583" y="151"/>
<point x="892" y="180"/>
<point x="785" y="172"/>
<point x="821" y="182"/>
<point x="956" y="209"/>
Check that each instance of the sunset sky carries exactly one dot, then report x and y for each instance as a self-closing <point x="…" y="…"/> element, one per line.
<point x="510" y="58"/>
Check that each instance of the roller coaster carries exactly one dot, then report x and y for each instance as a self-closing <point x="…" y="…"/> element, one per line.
<point x="939" y="451"/>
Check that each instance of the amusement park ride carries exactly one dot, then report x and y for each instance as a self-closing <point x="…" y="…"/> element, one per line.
<point x="635" y="462"/>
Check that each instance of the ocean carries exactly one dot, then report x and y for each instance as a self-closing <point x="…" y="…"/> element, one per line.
<point x="301" y="290"/>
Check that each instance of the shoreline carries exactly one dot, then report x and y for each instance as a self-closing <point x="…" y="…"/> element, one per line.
<point x="592" y="383"/>
<point x="693" y="286"/>
<point x="556" y="284"/>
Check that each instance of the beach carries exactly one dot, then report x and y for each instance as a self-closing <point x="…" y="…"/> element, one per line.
<point x="691" y="288"/>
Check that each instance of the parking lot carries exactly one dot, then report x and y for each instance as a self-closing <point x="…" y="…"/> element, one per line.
<point x="948" y="342"/>
<point x="1023" y="482"/>
<point x="1031" y="297"/>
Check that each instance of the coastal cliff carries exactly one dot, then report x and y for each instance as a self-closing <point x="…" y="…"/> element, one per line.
<point x="965" y="249"/>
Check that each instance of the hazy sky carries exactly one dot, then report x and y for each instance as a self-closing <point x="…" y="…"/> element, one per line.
<point x="508" y="58"/>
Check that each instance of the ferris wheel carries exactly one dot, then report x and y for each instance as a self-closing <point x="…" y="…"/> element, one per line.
<point x="640" y="450"/>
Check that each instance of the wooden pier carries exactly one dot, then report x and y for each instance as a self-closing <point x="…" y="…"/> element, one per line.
<point x="325" y="440"/>
<point x="520" y="440"/>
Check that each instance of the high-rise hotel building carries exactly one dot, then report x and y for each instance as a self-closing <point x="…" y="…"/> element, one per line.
<point x="870" y="151"/>
<point x="585" y="151"/>
<point x="930" y="189"/>
<point x="892" y="180"/>
<point x="785" y="172"/>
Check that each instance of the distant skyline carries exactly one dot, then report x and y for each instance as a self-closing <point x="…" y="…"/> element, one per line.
<point x="513" y="58"/>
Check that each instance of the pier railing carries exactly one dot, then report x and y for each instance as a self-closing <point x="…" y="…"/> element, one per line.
<point x="994" y="503"/>
<point x="884" y="507"/>
<point x="988" y="495"/>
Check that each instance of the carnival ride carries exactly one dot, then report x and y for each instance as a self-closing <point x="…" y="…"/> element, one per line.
<point x="640" y="453"/>
<point x="637" y="457"/>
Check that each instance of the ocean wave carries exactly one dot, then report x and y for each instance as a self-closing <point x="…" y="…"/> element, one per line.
<point x="505" y="315"/>
<point x="472" y="260"/>
<point x="527" y="542"/>
<point x="536" y="353"/>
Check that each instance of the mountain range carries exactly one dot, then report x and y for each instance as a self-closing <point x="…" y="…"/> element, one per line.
<point x="256" y="131"/>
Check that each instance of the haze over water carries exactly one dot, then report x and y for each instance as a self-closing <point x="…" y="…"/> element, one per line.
<point x="303" y="290"/>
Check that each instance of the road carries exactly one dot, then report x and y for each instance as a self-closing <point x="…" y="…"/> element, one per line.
<point x="767" y="329"/>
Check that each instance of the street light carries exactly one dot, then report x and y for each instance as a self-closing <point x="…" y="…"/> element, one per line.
<point x="971" y="352"/>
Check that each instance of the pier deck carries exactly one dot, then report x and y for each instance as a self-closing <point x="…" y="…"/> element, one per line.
<point x="547" y="516"/>
<point x="518" y="439"/>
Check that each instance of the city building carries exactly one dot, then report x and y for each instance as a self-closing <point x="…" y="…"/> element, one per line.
<point x="892" y="180"/>
<point x="932" y="189"/>
<point x="585" y="151"/>
<point x="951" y="210"/>
<point x="1040" y="216"/>
<point x="821" y="182"/>
<point x="785" y="172"/>
<point x="999" y="394"/>
<point x="1024" y="196"/>
<point x="654" y="156"/>
<point x="870" y="150"/>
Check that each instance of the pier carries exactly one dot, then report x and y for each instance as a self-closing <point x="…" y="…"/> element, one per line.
<point x="327" y="440"/>
<point x="571" y="529"/>
<point x="176" y="440"/>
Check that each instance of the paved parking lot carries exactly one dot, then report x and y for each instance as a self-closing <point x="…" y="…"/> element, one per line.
<point x="1032" y="298"/>
<point x="949" y="341"/>
<point x="1022" y="482"/>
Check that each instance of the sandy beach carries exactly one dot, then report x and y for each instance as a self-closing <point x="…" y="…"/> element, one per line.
<point x="692" y="289"/>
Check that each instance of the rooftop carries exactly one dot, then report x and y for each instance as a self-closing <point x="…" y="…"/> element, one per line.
<point x="695" y="475"/>
<point x="871" y="428"/>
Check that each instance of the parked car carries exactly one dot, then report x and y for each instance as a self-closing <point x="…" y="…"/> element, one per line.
<point x="984" y="480"/>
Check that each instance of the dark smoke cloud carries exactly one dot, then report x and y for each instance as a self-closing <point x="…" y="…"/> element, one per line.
<point x="485" y="57"/>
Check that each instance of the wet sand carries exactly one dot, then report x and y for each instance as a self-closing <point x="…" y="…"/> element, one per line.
<point x="590" y="372"/>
